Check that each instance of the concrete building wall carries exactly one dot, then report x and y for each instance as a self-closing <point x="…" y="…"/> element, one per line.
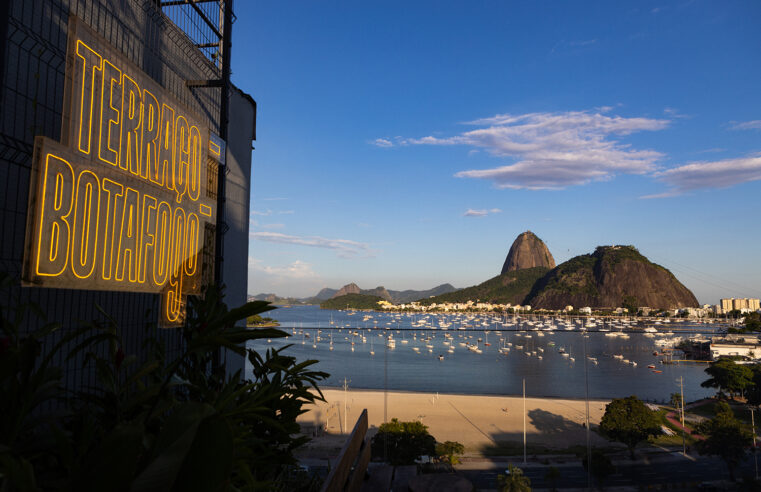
<point x="237" y="201"/>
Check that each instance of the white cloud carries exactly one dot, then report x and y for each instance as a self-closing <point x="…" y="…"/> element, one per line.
<point x="296" y="270"/>
<point x="745" y="125"/>
<point x="268" y="212"/>
<point x="382" y="142"/>
<point x="480" y="213"/>
<point x="713" y="174"/>
<point x="344" y="248"/>
<point x="555" y="150"/>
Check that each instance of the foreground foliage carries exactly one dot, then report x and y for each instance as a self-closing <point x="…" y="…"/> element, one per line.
<point x="401" y="443"/>
<point x="726" y="437"/>
<point x="629" y="421"/>
<point x="514" y="480"/>
<point x="450" y="451"/>
<point x="150" y="423"/>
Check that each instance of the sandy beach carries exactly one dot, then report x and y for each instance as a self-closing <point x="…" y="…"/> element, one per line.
<point x="475" y="421"/>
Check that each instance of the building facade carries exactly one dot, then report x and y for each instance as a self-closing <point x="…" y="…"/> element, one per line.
<point x="153" y="39"/>
<point x="741" y="304"/>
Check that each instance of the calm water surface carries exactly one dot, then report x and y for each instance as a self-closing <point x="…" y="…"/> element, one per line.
<point x="490" y="372"/>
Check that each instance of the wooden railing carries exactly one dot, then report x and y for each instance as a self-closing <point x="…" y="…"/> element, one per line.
<point x="350" y="468"/>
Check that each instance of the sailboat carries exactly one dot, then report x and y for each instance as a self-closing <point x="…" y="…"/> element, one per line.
<point x="372" y="350"/>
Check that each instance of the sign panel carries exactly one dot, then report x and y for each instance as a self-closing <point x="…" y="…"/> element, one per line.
<point x="127" y="200"/>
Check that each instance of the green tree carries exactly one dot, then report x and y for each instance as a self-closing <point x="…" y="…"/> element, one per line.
<point x="726" y="375"/>
<point x="402" y="442"/>
<point x="726" y="437"/>
<point x="631" y="304"/>
<point x="676" y="400"/>
<point x="629" y="421"/>
<point x="753" y="322"/>
<point x="753" y="392"/>
<point x="450" y="451"/>
<point x="514" y="480"/>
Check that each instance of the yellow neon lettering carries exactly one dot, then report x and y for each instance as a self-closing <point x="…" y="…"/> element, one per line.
<point x="147" y="235"/>
<point x="161" y="251"/>
<point x="88" y="63"/>
<point x="113" y="191"/>
<point x="84" y="245"/>
<point x="150" y="134"/>
<point x="196" y="160"/>
<point x="192" y="246"/>
<point x="126" y="257"/>
<point x="181" y="163"/>
<point x="108" y="143"/>
<point x="129" y="142"/>
<point x="53" y="221"/>
<point x="166" y="149"/>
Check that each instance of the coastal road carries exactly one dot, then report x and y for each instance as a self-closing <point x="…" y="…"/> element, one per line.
<point x="679" y="472"/>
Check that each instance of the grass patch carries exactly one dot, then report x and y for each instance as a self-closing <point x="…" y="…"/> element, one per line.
<point x="707" y="410"/>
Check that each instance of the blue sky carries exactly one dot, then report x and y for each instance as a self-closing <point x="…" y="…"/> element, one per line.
<point x="407" y="144"/>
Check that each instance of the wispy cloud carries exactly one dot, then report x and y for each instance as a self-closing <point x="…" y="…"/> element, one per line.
<point x="674" y="113"/>
<point x="480" y="213"/>
<point x="572" y="46"/>
<point x="745" y="125"/>
<point x="382" y="142"/>
<point x="714" y="174"/>
<point x="555" y="150"/>
<point x="268" y="212"/>
<point x="582" y="42"/>
<point x="344" y="248"/>
<point x="296" y="270"/>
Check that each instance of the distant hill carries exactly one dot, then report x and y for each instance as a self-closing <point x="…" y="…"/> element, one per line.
<point x="352" y="301"/>
<point x="510" y="287"/>
<point x="275" y="299"/>
<point x="325" y="294"/>
<point x="393" y="296"/>
<point x="528" y="251"/>
<point x="610" y="277"/>
<point x="404" y="296"/>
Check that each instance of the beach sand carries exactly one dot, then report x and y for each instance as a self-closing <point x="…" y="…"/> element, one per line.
<point x="473" y="420"/>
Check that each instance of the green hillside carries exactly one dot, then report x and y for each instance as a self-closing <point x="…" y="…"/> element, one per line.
<point x="352" y="301"/>
<point x="510" y="287"/>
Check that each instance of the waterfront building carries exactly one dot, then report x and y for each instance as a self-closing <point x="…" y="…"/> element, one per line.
<point x="748" y="347"/>
<point x="740" y="304"/>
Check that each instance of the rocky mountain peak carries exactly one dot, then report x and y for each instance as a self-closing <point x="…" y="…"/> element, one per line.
<point x="351" y="288"/>
<point x="528" y="251"/>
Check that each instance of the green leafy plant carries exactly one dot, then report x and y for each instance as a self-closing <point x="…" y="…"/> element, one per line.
<point x="514" y="480"/>
<point x="154" y="422"/>
<point x="726" y="437"/>
<point x="450" y="451"/>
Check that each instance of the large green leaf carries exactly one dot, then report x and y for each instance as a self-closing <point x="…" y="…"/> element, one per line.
<point x="208" y="465"/>
<point x="172" y="447"/>
<point x="114" y="462"/>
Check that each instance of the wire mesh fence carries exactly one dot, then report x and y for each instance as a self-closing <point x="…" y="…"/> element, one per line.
<point x="172" y="42"/>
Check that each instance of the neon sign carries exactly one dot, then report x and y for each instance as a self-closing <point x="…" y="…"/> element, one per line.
<point x="127" y="200"/>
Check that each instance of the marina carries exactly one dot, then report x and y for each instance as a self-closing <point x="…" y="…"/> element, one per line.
<point x="490" y="354"/>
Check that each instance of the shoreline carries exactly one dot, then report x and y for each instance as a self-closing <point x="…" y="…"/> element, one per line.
<point x="490" y="395"/>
